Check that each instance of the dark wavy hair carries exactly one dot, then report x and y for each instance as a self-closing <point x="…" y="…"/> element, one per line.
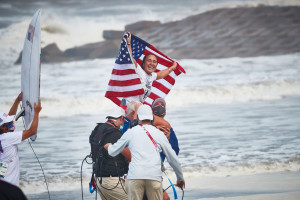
<point x="145" y="57"/>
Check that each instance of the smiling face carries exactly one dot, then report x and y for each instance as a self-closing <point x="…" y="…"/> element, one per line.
<point x="150" y="64"/>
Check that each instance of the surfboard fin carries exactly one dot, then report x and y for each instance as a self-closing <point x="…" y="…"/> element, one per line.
<point x="20" y="114"/>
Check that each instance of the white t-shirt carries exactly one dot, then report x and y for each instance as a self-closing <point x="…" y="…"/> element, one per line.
<point x="145" y="159"/>
<point x="146" y="80"/>
<point x="9" y="144"/>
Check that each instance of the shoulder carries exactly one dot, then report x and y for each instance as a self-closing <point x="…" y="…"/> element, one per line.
<point x="15" y="134"/>
<point x="134" y="129"/>
<point x="153" y="129"/>
<point x="11" y="138"/>
<point x="154" y="75"/>
<point x="159" y="121"/>
<point x="139" y="70"/>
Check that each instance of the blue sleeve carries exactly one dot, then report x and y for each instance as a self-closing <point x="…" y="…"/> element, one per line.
<point x="126" y="125"/>
<point x="174" y="144"/>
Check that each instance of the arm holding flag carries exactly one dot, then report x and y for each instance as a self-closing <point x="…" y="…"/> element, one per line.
<point x="161" y="74"/>
<point x="128" y="40"/>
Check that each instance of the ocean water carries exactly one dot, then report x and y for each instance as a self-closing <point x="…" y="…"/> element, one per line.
<point x="233" y="116"/>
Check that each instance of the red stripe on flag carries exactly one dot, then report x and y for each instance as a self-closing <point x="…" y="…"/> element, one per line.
<point x="115" y="100"/>
<point x="147" y="104"/>
<point x="123" y="72"/>
<point x="139" y="61"/>
<point x="124" y="94"/>
<point x="177" y="71"/>
<point x="170" y="79"/>
<point x="161" y="87"/>
<point x="125" y="83"/>
<point x="153" y="96"/>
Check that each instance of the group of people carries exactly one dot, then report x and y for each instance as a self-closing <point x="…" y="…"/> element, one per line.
<point x="128" y="150"/>
<point x="135" y="143"/>
<point x="143" y="143"/>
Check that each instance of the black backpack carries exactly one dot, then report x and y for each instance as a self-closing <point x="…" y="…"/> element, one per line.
<point x="96" y="143"/>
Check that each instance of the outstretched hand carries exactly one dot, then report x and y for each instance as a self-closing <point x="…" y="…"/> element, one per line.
<point x="165" y="130"/>
<point x="37" y="108"/>
<point x="128" y="39"/>
<point x="174" y="65"/>
<point x="181" y="184"/>
<point x="20" y="96"/>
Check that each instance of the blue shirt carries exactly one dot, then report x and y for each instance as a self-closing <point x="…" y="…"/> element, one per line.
<point x="173" y="139"/>
<point x="126" y="125"/>
<point x="174" y="144"/>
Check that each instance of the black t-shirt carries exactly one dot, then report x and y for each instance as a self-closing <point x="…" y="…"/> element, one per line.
<point x="10" y="192"/>
<point x="107" y="165"/>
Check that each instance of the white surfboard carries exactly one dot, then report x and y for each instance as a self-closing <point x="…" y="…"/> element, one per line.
<point x="31" y="68"/>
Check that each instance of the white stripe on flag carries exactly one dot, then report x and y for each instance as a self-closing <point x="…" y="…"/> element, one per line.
<point x="173" y="75"/>
<point x="123" y="88"/>
<point x="124" y="66"/>
<point x="165" y="83"/>
<point x="123" y="77"/>
<point x="158" y="92"/>
<point x="148" y="100"/>
<point x="161" y="67"/>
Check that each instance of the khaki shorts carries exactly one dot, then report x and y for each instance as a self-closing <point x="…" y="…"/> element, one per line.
<point x="105" y="189"/>
<point x="136" y="187"/>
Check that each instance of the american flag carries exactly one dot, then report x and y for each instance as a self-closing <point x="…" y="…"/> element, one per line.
<point x="125" y="82"/>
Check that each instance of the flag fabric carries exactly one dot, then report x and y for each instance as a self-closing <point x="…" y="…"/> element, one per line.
<point x="124" y="80"/>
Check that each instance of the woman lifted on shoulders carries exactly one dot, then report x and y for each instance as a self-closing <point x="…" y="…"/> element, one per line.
<point x="147" y="69"/>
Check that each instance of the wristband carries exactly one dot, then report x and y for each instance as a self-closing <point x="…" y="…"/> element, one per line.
<point x="128" y="43"/>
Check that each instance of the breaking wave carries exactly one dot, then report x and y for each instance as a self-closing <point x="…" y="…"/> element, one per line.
<point x="72" y="182"/>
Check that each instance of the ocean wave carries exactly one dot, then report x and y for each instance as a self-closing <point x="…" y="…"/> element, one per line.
<point x="234" y="93"/>
<point x="93" y="105"/>
<point x="289" y="165"/>
<point x="73" y="182"/>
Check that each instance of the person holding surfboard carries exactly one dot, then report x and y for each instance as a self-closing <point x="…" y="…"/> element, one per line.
<point x="9" y="140"/>
<point x="147" y="69"/>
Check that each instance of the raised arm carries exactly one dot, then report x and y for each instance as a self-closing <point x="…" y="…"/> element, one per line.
<point x="14" y="108"/>
<point x="163" y="73"/>
<point x="34" y="125"/>
<point x="128" y="39"/>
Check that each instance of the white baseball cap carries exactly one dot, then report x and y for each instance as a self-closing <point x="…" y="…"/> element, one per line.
<point x="116" y="112"/>
<point x="145" y="113"/>
<point x="5" y="118"/>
